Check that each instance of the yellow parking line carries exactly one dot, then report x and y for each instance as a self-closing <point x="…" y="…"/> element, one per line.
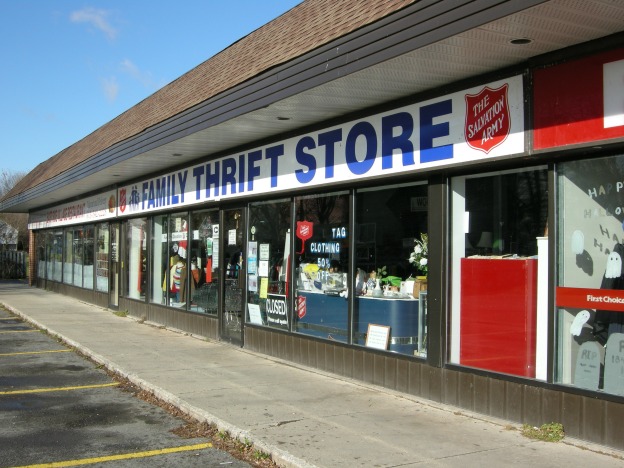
<point x="17" y="331"/>
<point x="58" y="389"/>
<point x="123" y="456"/>
<point x="38" y="352"/>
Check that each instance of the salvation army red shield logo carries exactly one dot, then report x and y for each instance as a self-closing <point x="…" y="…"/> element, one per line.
<point x="305" y="230"/>
<point x="301" y="306"/>
<point x="111" y="204"/>
<point x="122" y="200"/>
<point x="487" y="118"/>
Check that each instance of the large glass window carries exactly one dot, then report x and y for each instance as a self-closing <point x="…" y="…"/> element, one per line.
<point x="49" y="246"/>
<point x="268" y="254"/>
<point x="88" y="257"/>
<point x="321" y="261"/>
<point x="55" y="255"/>
<point x="160" y="259"/>
<point x="68" y="257"/>
<point x="136" y="258"/>
<point x="77" y="248"/>
<point x="102" y="260"/>
<point x="499" y="221"/>
<point x="204" y="254"/>
<point x="178" y="260"/>
<point x="391" y="250"/>
<point x="169" y="263"/>
<point x="40" y="239"/>
<point x="590" y="280"/>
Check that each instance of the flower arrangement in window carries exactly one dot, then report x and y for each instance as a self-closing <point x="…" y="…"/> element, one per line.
<point x="418" y="258"/>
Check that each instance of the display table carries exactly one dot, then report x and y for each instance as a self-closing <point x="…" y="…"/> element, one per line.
<point x="326" y="317"/>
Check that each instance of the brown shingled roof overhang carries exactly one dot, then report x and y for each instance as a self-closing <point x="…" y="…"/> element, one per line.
<point x="305" y="27"/>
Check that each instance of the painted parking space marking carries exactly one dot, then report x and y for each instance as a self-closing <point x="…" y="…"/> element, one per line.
<point x="17" y="331"/>
<point x="58" y="389"/>
<point x="36" y="352"/>
<point x="123" y="456"/>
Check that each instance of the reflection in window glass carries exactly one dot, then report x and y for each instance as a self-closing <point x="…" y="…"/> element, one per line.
<point x="49" y="255"/>
<point x="391" y="259"/>
<point x="203" y="254"/>
<point x="101" y="271"/>
<point x="321" y="261"/>
<point x="88" y="257"/>
<point x="160" y="260"/>
<point x="55" y="258"/>
<point x="68" y="261"/>
<point x="40" y="240"/>
<point x="268" y="251"/>
<point x="136" y="258"/>
<point x="77" y="249"/>
<point x="498" y="222"/>
<point x="590" y="293"/>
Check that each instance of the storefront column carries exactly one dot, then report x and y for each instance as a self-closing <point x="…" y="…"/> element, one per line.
<point x="439" y="252"/>
<point x="32" y="258"/>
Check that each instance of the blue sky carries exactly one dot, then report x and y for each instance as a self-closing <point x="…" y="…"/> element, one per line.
<point x="68" y="67"/>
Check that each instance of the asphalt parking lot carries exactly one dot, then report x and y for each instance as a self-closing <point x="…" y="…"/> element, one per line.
<point x="59" y="409"/>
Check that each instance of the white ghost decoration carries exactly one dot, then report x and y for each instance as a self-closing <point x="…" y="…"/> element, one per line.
<point x="578" y="242"/>
<point x="577" y="325"/>
<point x="614" y="266"/>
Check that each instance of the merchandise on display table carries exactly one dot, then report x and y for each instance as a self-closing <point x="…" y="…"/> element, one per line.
<point x="326" y="318"/>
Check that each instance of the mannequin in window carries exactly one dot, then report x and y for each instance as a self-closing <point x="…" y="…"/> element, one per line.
<point x="177" y="277"/>
<point x="173" y="260"/>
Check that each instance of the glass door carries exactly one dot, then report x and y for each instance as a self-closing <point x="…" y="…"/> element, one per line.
<point x="233" y="274"/>
<point x="113" y="271"/>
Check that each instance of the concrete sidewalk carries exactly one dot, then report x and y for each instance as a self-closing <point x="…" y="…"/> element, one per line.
<point x="301" y="416"/>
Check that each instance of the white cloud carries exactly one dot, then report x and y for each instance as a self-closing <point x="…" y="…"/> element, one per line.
<point x="129" y="67"/>
<point x="145" y="78"/>
<point x="96" y="18"/>
<point x="111" y="88"/>
<point x="35" y="114"/>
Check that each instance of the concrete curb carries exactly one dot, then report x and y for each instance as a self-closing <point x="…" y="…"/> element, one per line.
<point x="279" y="456"/>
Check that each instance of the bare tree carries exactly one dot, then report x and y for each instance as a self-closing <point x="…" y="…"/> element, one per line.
<point x="11" y="222"/>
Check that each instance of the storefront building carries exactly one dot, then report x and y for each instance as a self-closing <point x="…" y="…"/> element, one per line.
<point x="460" y="239"/>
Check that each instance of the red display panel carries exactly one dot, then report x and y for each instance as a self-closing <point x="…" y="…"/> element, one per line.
<point x="569" y="101"/>
<point x="498" y="315"/>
